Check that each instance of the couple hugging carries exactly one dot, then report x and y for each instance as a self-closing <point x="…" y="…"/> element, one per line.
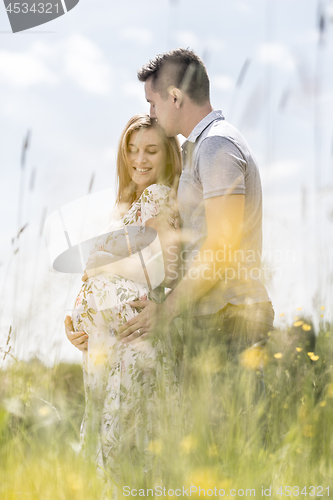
<point x="129" y="347"/>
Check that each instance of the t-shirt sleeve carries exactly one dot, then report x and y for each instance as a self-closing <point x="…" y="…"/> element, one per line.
<point x="221" y="167"/>
<point x="155" y="200"/>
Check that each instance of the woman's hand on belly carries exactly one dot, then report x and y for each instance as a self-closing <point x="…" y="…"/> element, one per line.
<point x="78" y="339"/>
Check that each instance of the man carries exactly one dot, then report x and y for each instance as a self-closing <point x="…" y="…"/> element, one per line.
<point x="220" y="206"/>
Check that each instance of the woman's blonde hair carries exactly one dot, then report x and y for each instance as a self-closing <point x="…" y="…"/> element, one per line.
<point x="126" y="187"/>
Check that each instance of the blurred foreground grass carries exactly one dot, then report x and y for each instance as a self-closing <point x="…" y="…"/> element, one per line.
<point x="41" y="410"/>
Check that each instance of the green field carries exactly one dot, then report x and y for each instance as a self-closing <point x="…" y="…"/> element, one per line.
<point x="287" y="442"/>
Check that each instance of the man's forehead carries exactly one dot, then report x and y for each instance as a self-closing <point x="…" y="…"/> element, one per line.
<point x="148" y="90"/>
<point x="152" y="94"/>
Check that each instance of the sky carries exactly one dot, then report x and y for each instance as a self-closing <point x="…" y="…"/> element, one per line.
<point x="72" y="83"/>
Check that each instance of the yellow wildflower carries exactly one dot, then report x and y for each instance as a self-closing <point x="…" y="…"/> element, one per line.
<point x="299" y="349"/>
<point x="299" y="308"/>
<point x="308" y="431"/>
<point x="281" y="314"/>
<point x="310" y="354"/>
<point x="98" y="356"/>
<point x="188" y="444"/>
<point x="212" y="451"/>
<point x="155" y="446"/>
<point x="254" y="358"/>
<point x="298" y="323"/>
<point x="322" y="308"/>
<point x="44" y="410"/>
<point x="306" y="327"/>
<point x="209" y="362"/>
<point x="314" y="358"/>
<point x="207" y="478"/>
<point x="225" y="485"/>
<point x="278" y="355"/>
<point x="75" y="481"/>
<point x="323" y="403"/>
<point x="100" y="359"/>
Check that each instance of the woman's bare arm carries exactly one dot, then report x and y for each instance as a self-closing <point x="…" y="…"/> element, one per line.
<point x="129" y="268"/>
<point x="169" y="239"/>
<point x="162" y="256"/>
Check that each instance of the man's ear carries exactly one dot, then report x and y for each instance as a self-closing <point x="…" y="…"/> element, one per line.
<point x="177" y="96"/>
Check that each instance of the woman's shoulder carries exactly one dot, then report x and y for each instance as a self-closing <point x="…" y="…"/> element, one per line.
<point x="156" y="193"/>
<point x="157" y="188"/>
<point x="155" y="199"/>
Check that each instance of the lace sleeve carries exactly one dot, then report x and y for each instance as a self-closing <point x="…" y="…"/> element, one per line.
<point x="157" y="199"/>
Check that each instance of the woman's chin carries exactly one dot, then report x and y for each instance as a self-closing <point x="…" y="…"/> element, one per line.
<point x="144" y="183"/>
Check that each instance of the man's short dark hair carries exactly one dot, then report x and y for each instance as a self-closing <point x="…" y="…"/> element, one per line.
<point x="180" y="68"/>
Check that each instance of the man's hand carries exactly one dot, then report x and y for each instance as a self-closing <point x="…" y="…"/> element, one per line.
<point x="78" y="339"/>
<point x="142" y="325"/>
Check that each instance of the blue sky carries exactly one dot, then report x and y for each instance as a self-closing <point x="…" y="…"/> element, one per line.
<point x="72" y="82"/>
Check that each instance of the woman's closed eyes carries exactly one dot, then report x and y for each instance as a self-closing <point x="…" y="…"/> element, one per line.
<point x="134" y="150"/>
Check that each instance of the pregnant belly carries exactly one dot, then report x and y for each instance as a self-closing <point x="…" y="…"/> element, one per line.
<point x="101" y="307"/>
<point x="103" y="298"/>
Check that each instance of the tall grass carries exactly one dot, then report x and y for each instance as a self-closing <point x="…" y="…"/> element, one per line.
<point x="283" y="440"/>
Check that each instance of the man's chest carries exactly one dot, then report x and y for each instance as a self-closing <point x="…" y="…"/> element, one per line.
<point x="190" y="197"/>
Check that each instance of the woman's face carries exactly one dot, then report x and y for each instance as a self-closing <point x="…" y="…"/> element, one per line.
<point x="146" y="157"/>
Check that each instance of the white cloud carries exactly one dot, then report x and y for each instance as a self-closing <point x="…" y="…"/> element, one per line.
<point x="214" y="44"/>
<point x="77" y="58"/>
<point x="134" y="89"/>
<point x="45" y="51"/>
<point x="138" y="35"/>
<point x="24" y="69"/>
<point x="242" y="7"/>
<point x="109" y="154"/>
<point x="222" y="82"/>
<point x="330" y="12"/>
<point x="306" y="38"/>
<point x="276" y="54"/>
<point x="86" y="66"/>
<point x="187" y="39"/>
<point x="281" y="170"/>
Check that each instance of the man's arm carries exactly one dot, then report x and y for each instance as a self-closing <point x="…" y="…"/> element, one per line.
<point x="224" y="217"/>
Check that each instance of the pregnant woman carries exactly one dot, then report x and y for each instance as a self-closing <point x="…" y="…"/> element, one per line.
<point x="125" y="382"/>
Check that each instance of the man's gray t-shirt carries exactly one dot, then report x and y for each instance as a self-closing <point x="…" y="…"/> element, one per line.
<point x="217" y="162"/>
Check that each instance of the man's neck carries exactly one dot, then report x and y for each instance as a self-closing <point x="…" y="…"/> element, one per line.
<point x="194" y="115"/>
